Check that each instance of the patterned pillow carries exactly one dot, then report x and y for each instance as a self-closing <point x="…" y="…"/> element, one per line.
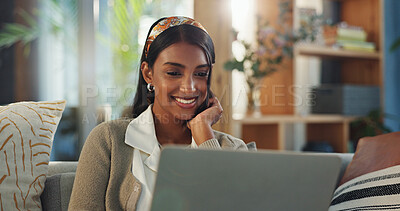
<point x="372" y="179"/>
<point x="26" y="134"/>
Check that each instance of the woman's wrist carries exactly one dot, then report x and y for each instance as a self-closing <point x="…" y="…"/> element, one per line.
<point x="201" y="132"/>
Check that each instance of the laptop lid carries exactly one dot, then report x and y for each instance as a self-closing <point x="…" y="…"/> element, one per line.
<point x="195" y="179"/>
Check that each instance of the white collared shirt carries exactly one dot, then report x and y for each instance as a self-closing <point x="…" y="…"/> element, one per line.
<point x="141" y="135"/>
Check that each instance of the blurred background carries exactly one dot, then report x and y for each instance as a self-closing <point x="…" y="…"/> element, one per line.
<point x="87" y="52"/>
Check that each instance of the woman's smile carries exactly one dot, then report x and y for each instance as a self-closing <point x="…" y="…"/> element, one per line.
<point x="185" y="102"/>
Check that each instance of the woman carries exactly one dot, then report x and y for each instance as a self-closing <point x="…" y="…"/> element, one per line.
<point x="173" y="105"/>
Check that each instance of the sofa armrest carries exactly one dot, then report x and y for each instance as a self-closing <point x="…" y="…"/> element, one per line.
<point x="345" y="158"/>
<point x="58" y="186"/>
<point x="59" y="167"/>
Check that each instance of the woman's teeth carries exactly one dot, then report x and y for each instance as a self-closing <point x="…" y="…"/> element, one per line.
<point x="185" y="101"/>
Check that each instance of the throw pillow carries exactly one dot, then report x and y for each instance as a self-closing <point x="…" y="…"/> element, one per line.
<point x="26" y="134"/>
<point x="372" y="154"/>
<point x="372" y="179"/>
<point x="378" y="190"/>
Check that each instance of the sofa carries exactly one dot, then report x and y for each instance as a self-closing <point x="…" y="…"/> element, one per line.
<point x="60" y="179"/>
<point x="27" y="131"/>
<point x="26" y="136"/>
<point x="58" y="185"/>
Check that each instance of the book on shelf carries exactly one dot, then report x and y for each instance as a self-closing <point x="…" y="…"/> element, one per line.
<point x="351" y="34"/>
<point x="356" y="45"/>
<point x="353" y="38"/>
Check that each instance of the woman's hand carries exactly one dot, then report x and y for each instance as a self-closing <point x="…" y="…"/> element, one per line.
<point x="200" y="125"/>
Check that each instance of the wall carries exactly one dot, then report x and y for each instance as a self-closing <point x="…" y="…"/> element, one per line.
<point x="215" y="16"/>
<point x="277" y="88"/>
<point x="392" y="64"/>
<point x="26" y="66"/>
<point x="6" y="57"/>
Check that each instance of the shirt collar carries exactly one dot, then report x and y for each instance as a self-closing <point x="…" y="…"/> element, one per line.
<point x="141" y="134"/>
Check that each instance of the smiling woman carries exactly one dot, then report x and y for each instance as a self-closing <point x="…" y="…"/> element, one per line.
<point x="173" y="105"/>
<point x="182" y="85"/>
<point x="179" y="77"/>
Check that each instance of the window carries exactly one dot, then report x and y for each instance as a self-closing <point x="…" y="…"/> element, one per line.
<point x="89" y="54"/>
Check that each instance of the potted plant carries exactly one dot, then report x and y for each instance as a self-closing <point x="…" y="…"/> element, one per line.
<point x="264" y="57"/>
<point x="369" y="125"/>
<point x="273" y="44"/>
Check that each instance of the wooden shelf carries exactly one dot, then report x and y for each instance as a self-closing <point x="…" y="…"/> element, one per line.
<point x="324" y="51"/>
<point x="269" y="131"/>
<point x="347" y="66"/>
<point x="314" y="118"/>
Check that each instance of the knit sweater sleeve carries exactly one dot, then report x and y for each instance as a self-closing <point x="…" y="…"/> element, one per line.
<point x="210" y="144"/>
<point x="224" y="141"/>
<point x="92" y="174"/>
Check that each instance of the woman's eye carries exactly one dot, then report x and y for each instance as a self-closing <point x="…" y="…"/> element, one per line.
<point x="173" y="73"/>
<point x="202" y="74"/>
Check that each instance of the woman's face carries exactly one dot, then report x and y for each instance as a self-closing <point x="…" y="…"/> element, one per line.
<point x="179" y="76"/>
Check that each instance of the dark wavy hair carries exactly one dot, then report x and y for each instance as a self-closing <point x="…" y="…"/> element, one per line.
<point x="181" y="33"/>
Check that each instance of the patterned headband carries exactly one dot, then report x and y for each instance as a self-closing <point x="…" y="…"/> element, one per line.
<point x="168" y="23"/>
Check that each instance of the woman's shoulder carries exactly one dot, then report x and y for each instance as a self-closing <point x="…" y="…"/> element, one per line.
<point x="110" y="130"/>
<point x="113" y="125"/>
<point x="229" y="141"/>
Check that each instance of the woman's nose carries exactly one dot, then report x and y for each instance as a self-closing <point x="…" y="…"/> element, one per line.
<point x="188" y="85"/>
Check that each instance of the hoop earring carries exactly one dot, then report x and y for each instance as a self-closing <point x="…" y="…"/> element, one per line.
<point x="150" y="87"/>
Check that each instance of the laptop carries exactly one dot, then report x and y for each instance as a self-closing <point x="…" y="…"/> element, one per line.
<point x="195" y="179"/>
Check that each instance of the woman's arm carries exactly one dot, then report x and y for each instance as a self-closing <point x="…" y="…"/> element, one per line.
<point x="205" y="136"/>
<point x="92" y="173"/>
<point x="200" y="125"/>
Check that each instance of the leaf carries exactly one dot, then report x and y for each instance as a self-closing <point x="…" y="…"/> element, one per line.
<point x="395" y="45"/>
<point x="27" y="50"/>
<point x="256" y="66"/>
<point x="234" y="65"/>
<point x="278" y="60"/>
<point x="13" y="33"/>
<point x="27" y="17"/>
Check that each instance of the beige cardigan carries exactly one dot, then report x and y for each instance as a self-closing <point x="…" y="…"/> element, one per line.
<point x="104" y="179"/>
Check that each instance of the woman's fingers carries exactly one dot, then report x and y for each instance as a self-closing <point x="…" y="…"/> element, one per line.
<point x="216" y="110"/>
<point x="209" y="116"/>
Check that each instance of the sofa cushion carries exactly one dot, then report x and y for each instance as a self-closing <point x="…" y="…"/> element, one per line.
<point x="58" y="190"/>
<point x="372" y="154"/>
<point x="372" y="179"/>
<point x="58" y="167"/>
<point x="377" y="190"/>
<point x="26" y="134"/>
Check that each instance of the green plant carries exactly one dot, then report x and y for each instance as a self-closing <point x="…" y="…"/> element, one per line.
<point x="123" y="26"/>
<point x="273" y="44"/>
<point x="12" y="33"/>
<point x="369" y="125"/>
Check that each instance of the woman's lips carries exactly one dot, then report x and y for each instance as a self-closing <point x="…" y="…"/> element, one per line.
<point x="185" y="103"/>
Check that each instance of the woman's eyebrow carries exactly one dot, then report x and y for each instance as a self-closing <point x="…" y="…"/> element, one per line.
<point x="183" y="66"/>
<point x="174" y="64"/>
<point x="202" y="65"/>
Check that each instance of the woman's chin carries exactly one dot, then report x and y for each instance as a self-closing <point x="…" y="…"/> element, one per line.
<point x="184" y="117"/>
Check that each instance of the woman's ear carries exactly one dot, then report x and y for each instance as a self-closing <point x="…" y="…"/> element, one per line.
<point x="146" y="72"/>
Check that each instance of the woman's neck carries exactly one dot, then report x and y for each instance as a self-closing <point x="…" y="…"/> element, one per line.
<point x="171" y="131"/>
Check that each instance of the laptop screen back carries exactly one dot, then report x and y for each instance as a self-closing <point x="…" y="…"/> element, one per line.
<point x="194" y="179"/>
